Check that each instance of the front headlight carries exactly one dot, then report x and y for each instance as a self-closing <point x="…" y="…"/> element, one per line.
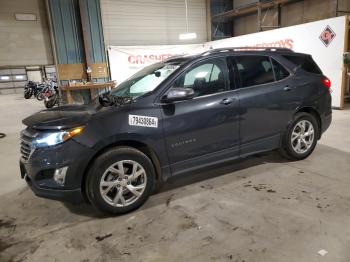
<point x="46" y="139"/>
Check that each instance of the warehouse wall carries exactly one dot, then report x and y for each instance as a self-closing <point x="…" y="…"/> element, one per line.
<point x="152" y="22"/>
<point x="343" y="7"/>
<point x="220" y="30"/>
<point x="291" y="14"/>
<point x="66" y="26"/>
<point x="24" y="42"/>
<point x="79" y="45"/>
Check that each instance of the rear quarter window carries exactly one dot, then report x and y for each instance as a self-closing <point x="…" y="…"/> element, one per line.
<point x="280" y="72"/>
<point x="304" y="62"/>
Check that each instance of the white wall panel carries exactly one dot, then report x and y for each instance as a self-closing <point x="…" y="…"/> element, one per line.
<point x="152" y="22"/>
<point x="24" y="42"/>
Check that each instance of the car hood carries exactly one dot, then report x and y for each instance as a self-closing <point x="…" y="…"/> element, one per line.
<point x="61" y="117"/>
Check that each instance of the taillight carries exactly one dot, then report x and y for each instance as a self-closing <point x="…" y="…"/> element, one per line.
<point x="326" y="82"/>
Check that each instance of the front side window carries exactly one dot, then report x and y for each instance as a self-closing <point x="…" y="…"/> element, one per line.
<point x="254" y="70"/>
<point x="207" y="78"/>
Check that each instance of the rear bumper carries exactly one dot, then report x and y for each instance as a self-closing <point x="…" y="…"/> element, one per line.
<point x="326" y="122"/>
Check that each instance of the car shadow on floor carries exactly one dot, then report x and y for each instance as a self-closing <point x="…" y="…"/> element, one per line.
<point x="222" y="169"/>
<point x="167" y="189"/>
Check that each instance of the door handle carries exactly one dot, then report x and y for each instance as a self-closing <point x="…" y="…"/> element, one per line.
<point x="287" y="88"/>
<point x="227" y="101"/>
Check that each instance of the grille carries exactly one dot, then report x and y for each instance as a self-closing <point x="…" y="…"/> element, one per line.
<point x="26" y="144"/>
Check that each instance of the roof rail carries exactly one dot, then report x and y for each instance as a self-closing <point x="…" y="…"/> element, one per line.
<point x="246" y="48"/>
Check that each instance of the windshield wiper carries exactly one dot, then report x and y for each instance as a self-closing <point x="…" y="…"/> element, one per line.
<point x="110" y="100"/>
<point x="121" y="100"/>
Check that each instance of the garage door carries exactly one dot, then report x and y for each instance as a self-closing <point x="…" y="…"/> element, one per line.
<point x="152" y="22"/>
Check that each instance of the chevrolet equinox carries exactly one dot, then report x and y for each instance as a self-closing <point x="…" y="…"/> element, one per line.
<point x="173" y="117"/>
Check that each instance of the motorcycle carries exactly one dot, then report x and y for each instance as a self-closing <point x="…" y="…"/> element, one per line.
<point x="42" y="87"/>
<point x="48" y="85"/>
<point x="51" y="96"/>
<point x="51" y="101"/>
<point x="47" y="91"/>
<point x="30" y="89"/>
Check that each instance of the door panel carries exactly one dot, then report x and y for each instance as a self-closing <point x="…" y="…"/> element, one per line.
<point x="199" y="127"/>
<point x="265" y="108"/>
<point x="202" y="130"/>
<point x="265" y="113"/>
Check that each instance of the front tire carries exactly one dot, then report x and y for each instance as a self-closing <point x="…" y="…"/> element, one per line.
<point x="301" y="137"/>
<point x="120" y="180"/>
<point x="40" y="96"/>
<point x="51" y="101"/>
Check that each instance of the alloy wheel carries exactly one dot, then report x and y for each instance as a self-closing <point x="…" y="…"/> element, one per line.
<point x="123" y="183"/>
<point x="303" y="136"/>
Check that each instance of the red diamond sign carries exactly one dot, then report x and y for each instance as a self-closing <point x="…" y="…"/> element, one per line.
<point x="327" y="36"/>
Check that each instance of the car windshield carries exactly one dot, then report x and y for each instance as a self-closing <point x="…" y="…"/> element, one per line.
<point x="145" y="80"/>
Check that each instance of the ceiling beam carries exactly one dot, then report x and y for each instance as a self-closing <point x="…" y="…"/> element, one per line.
<point x="251" y="9"/>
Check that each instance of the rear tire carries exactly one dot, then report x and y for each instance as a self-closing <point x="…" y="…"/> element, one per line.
<point x="120" y="180"/>
<point x="301" y="137"/>
<point x="27" y="94"/>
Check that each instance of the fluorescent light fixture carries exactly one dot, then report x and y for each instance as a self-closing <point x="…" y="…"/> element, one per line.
<point x="19" y="77"/>
<point x="25" y="17"/>
<point x="4" y="78"/>
<point x="187" y="36"/>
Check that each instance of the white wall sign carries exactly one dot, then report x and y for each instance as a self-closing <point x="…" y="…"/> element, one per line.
<point x="127" y="60"/>
<point x="324" y="40"/>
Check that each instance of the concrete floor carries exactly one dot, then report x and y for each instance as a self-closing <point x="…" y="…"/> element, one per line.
<point x="260" y="209"/>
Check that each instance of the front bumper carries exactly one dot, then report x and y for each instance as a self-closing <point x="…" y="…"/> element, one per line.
<point x="38" y="171"/>
<point x="70" y="195"/>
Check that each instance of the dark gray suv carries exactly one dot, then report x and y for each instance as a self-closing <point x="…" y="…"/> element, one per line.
<point x="173" y="117"/>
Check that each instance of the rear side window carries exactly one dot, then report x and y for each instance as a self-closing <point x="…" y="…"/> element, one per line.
<point x="254" y="70"/>
<point x="304" y="62"/>
<point x="280" y="71"/>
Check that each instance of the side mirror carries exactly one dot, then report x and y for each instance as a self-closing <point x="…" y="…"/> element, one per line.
<point x="178" y="94"/>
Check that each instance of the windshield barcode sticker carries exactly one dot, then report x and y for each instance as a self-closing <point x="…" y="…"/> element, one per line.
<point x="146" y="121"/>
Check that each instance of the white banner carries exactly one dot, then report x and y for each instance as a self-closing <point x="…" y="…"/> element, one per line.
<point x="127" y="60"/>
<point x="323" y="39"/>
